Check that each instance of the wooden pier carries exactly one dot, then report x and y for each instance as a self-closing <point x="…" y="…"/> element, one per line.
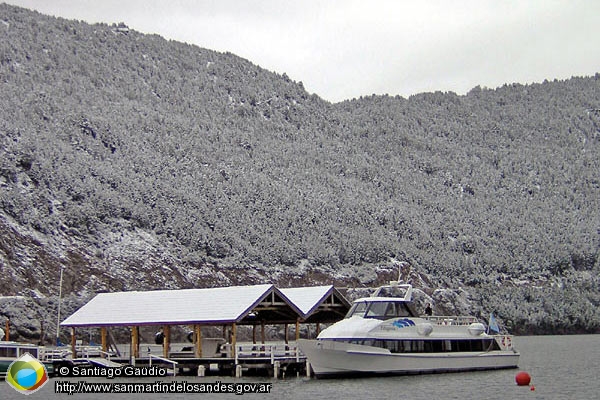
<point x="271" y="359"/>
<point x="201" y="311"/>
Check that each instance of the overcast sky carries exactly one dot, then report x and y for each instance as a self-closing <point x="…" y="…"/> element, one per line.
<point x="342" y="49"/>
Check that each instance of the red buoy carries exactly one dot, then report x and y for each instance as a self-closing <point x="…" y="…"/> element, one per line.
<point x="523" y="378"/>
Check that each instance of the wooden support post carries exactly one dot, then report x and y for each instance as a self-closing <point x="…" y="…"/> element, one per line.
<point x="73" y="343"/>
<point x="318" y="328"/>
<point x="197" y="341"/>
<point x="233" y="339"/>
<point x="285" y="330"/>
<point x="7" y="331"/>
<point x="166" y="340"/>
<point x="262" y="332"/>
<point x="297" y="329"/>
<point x="104" y="340"/>
<point x="135" y="341"/>
<point x="254" y="334"/>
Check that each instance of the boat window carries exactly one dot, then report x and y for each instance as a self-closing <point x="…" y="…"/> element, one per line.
<point x="490" y="344"/>
<point x="387" y="310"/>
<point x="390" y="311"/>
<point x="429" y="346"/>
<point x="391" y="291"/>
<point x="376" y="310"/>
<point x="380" y="310"/>
<point x="402" y="310"/>
<point x="8" y="352"/>
<point x="437" y="346"/>
<point x="357" y="309"/>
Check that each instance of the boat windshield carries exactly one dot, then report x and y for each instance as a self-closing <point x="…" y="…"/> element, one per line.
<point x="391" y="291"/>
<point x="379" y="309"/>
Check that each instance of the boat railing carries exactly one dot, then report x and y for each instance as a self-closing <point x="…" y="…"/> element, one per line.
<point x="505" y="341"/>
<point x="451" y="319"/>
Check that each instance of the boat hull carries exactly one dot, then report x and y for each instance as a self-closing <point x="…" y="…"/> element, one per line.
<point x="331" y="358"/>
<point x="4" y="364"/>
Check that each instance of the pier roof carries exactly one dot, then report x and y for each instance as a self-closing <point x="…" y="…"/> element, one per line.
<point x="318" y="303"/>
<point x="212" y="306"/>
<point x="186" y="306"/>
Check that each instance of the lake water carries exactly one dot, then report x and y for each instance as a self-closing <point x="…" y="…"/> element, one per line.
<point x="561" y="367"/>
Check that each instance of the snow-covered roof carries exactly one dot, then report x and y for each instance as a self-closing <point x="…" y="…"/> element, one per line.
<point x="307" y="299"/>
<point x="318" y="303"/>
<point x="186" y="306"/>
<point x="204" y="306"/>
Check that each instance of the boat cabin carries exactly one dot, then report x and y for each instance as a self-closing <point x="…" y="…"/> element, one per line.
<point x="379" y="308"/>
<point x="390" y="301"/>
<point x="14" y="350"/>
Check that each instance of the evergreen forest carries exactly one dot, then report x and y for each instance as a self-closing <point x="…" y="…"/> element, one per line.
<point x="135" y="163"/>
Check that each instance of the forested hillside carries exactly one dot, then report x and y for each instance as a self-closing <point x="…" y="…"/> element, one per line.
<point x="134" y="162"/>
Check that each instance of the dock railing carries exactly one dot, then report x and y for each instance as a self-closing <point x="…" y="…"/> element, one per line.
<point x="91" y="352"/>
<point x="54" y="354"/>
<point x="270" y="352"/>
<point x="164" y="360"/>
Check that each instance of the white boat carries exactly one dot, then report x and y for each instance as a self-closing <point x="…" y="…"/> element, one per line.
<point x="383" y="334"/>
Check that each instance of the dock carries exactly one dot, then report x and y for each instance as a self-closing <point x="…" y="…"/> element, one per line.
<point x="271" y="359"/>
<point x="240" y="314"/>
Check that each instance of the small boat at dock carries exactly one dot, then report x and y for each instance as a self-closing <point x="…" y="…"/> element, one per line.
<point x="11" y="351"/>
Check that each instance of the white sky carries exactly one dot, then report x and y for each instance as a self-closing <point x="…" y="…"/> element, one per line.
<point x="342" y="49"/>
